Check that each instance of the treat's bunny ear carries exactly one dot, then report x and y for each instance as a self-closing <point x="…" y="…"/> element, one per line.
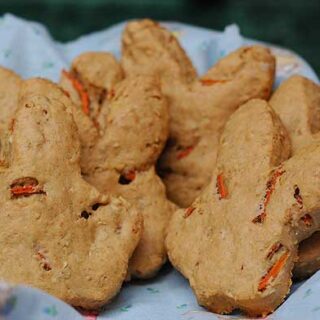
<point x="137" y="121"/>
<point x="297" y="103"/>
<point x="251" y="146"/>
<point x="149" y="48"/>
<point x="253" y="66"/>
<point x="41" y="125"/>
<point x="100" y="69"/>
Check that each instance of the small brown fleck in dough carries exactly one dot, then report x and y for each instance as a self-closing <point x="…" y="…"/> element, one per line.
<point x="233" y="260"/>
<point x="10" y="84"/>
<point x="50" y="235"/>
<point x="297" y="103"/>
<point x="198" y="107"/>
<point x="132" y="129"/>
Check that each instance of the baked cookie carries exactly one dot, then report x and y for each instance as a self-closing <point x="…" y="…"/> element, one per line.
<point x="130" y="118"/>
<point x="198" y="107"/>
<point x="57" y="232"/>
<point x="297" y="103"/>
<point x="238" y="241"/>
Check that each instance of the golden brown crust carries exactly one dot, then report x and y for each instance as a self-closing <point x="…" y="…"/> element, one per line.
<point x="198" y="108"/>
<point x="58" y="233"/>
<point x="132" y="129"/>
<point x="238" y="244"/>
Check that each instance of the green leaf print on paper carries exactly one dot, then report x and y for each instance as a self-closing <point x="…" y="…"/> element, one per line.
<point x="7" y="53"/>
<point x="126" y="308"/>
<point x="47" y="65"/>
<point x="182" y="306"/>
<point x="51" y="311"/>
<point x="307" y="293"/>
<point x="152" y="290"/>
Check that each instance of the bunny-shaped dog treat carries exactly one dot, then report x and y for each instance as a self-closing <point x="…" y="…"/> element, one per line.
<point x="237" y="243"/>
<point x="130" y="120"/>
<point x="57" y="232"/>
<point x="198" y="107"/>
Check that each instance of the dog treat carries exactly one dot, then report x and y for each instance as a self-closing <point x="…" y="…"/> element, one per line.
<point x="57" y="232"/>
<point x="130" y="120"/>
<point x="297" y="103"/>
<point x="198" y="107"/>
<point x="238" y="241"/>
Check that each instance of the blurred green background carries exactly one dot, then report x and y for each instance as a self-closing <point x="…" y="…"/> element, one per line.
<point x="294" y="24"/>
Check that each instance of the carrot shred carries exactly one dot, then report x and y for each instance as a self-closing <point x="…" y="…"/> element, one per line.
<point x="307" y="220"/>
<point x="210" y="82"/>
<point x="188" y="212"/>
<point x="183" y="153"/>
<point x="222" y="189"/>
<point x="273" y="272"/>
<point x="271" y="184"/>
<point x="23" y="190"/>
<point x="298" y="197"/>
<point x="274" y="249"/>
<point x="44" y="260"/>
<point x="130" y="175"/>
<point x="25" y="186"/>
<point x="83" y="94"/>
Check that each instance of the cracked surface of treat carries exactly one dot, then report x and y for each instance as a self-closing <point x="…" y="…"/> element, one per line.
<point x="57" y="232"/>
<point x="297" y="103"/>
<point x="238" y="243"/>
<point x="131" y="128"/>
<point x="198" y="107"/>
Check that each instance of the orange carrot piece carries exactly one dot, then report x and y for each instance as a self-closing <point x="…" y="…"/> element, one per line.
<point x="19" y="190"/>
<point x="25" y="186"/>
<point x="210" y="82"/>
<point x="130" y="175"/>
<point x="274" y="249"/>
<point x="222" y="189"/>
<point x="183" y="153"/>
<point x="273" y="272"/>
<point x="188" y="212"/>
<point x="83" y="94"/>
<point x="271" y="184"/>
<point x="307" y="220"/>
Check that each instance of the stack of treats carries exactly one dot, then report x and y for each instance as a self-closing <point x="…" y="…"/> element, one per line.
<point x="123" y="163"/>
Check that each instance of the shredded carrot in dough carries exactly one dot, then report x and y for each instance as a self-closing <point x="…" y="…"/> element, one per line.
<point x="307" y="220"/>
<point x="273" y="272"/>
<point x="188" y="212"/>
<point x="271" y="184"/>
<point x="222" y="189"/>
<point x="183" y="153"/>
<point x="210" y="82"/>
<point x="83" y="94"/>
